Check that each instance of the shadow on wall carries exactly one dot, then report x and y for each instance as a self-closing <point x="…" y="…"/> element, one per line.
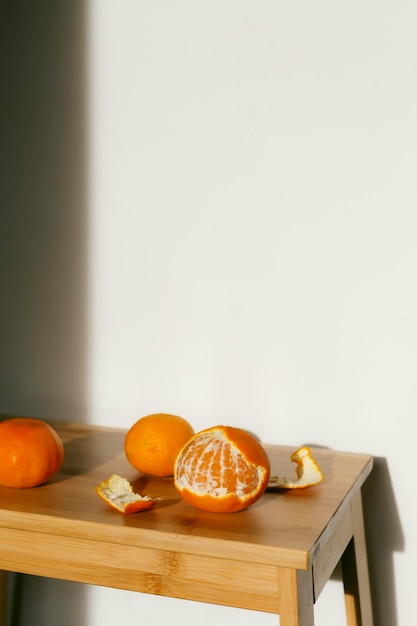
<point x="384" y="536"/>
<point x="43" y="233"/>
<point x="43" y="244"/>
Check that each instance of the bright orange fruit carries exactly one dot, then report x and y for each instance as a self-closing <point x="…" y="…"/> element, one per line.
<point x="31" y="452"/>
<point x="222" y="469"/>
<point x="153" y="442"/>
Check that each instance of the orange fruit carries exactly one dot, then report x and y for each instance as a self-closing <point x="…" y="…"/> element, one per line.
<point x="153" y="442"/>
<point x="222" y="469"/>
<point x="31" y="452"/>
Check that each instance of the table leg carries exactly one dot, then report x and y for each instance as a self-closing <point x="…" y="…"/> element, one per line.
<point x="3" y="597"/>
<point x="295" y="593"/>
<point x="355" y="572"/>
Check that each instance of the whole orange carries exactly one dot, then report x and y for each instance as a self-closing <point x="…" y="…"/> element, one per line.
<point x="31" y="452"/>
<point x="153" y="442"/>
<point x="222" y="469"/>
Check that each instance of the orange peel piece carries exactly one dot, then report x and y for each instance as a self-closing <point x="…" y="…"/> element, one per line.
<point x="118" y="493"/>
<point x="308" y="472"/>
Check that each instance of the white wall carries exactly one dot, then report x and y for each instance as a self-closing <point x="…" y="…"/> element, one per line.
<point x="251" y="252"/>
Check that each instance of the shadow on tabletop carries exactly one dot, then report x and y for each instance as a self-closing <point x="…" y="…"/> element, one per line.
<point x="43" y="245"/>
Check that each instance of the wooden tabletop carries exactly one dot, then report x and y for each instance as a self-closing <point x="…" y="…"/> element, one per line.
<point x="63" y="529"/>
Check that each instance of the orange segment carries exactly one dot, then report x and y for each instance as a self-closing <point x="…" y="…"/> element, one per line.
<point x="222" y="469"/>
<point x="118" y="493"/>
<point x="308" y="472"/>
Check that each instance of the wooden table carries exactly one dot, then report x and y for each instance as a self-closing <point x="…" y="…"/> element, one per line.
<point x="276" y="556"/>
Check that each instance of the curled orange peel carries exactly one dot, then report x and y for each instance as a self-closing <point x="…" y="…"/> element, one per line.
<point x="308" y="472"/>
<point x="118" y="493"/>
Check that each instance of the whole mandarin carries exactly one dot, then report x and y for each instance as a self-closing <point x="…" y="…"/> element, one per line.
<point x="31" y="452"/>
<point x="153" y="442"/>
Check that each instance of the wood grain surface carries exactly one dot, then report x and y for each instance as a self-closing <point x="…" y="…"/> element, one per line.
<point x="64" y="530"/>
